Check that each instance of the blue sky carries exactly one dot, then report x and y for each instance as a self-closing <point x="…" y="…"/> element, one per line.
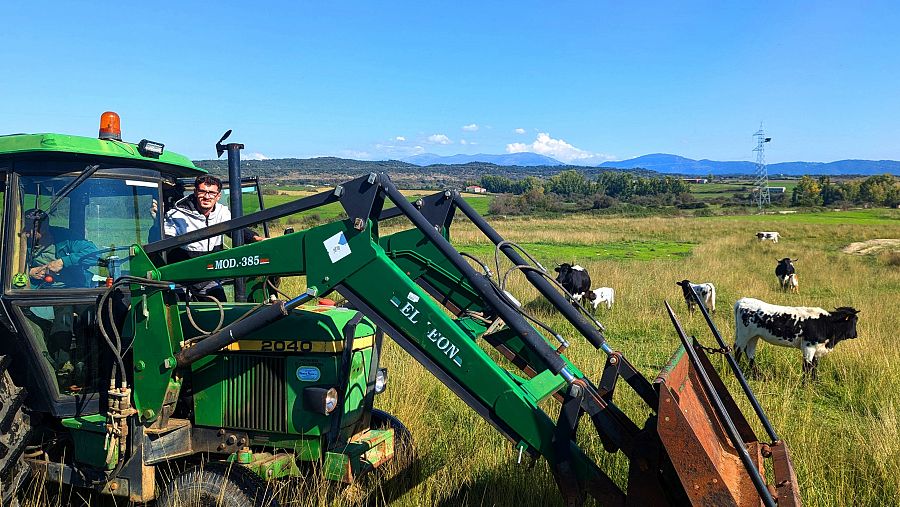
<point x="579" y="81"/>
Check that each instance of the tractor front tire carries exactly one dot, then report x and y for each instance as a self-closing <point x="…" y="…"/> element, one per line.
<point x="217" y="485"/>
<point x="404" y="448"/>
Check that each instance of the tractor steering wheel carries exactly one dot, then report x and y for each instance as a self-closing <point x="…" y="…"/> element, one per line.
<point x="96" y="255"/>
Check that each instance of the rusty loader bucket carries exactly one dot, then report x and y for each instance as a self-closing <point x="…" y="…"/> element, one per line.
<point x="716" y="454"/>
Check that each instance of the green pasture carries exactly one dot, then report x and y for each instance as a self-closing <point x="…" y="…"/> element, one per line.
<point x="712" y="190"/>
<point x="875" y="216"/>
<point x="331" y="211"/>
<point x="843" y="429"/>
<point x="551" y="254"/>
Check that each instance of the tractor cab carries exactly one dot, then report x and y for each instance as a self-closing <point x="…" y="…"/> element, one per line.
<point x="72" y="207"/>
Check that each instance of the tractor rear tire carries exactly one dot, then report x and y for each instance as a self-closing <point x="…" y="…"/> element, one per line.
<point x="217" y="484"/>
<point x="404" y="447"/>
<point x="15" y="430"/>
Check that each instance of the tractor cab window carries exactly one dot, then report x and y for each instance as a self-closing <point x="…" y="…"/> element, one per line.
<point x="76" y="234"/>
<point x="65" y="337"/>
<point x="2" y="201"/>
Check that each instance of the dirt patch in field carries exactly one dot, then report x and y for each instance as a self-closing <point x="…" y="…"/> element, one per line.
<point x="873" y="246"/>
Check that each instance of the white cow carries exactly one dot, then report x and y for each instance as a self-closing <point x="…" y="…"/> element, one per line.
<point x="706" y="291"/>
<point x="767" y="235"/>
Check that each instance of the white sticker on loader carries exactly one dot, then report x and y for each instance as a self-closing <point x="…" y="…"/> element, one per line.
<point x="337" y="247"/>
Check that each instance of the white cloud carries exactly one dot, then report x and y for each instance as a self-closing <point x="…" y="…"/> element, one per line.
<point x="471" y="127"/>
<point x="463" y="142"/>
<point x="400" y="139"/>
<point x="255" y="156"/>
<point x="555" y="148"/>
<point x="439" y="139"/>
<point x="520" y="131"/>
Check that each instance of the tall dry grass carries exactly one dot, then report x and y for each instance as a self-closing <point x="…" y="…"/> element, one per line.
<point x="842" y="429"/>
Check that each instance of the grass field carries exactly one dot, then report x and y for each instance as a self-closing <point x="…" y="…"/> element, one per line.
<point x="331" y="211"/>
<point x="843" y="430"/>
<point x="712" y="190"/>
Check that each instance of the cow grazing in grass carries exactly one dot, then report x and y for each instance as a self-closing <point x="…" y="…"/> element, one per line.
<point x="576" y="280"/>
<point x="812" y="330"/>
<point x="767" y="236"/>
<point x="784" y="270"/>
<point x="601" y="295"/>
<point x="706" y="291"/>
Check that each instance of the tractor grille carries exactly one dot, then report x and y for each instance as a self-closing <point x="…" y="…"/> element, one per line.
<point x="254" y="393"/>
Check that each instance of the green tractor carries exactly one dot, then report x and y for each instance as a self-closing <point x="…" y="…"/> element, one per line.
<point x="82" y="403"/>
<point x="114" y="379"/>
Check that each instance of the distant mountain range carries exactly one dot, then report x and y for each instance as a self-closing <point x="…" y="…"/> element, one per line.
<point x="673" y="164"/>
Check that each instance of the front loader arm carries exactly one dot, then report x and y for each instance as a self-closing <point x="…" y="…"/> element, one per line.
<point x="337" y="256"/>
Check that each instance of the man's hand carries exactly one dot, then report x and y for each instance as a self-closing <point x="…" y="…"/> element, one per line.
<point x="37" y="272"/>
<point x="259" y="238"/>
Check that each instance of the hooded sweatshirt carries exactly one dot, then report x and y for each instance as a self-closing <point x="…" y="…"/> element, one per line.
<point x="184" y="217"/>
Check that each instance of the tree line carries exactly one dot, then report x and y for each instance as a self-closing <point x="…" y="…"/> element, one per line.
<point x="882" y="190"/>
<point x="573" y="190"/>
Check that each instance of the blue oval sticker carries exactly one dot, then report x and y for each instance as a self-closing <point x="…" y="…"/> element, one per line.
<point x="308" y="373"/>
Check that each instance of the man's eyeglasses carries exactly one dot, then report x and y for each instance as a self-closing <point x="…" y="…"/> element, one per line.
<point x="208" y="193"/>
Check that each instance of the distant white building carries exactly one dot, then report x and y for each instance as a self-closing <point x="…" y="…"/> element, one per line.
<point x="777" y="190"/>
<point x="701" y="181"/>
<point x="475" y="189"/>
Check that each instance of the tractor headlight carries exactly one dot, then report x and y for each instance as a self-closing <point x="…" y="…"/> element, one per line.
<point x="321" y="400"/>
<point x="331" y="400"/>
<point x="150" y="149"/>
<point x="380" y="380"/>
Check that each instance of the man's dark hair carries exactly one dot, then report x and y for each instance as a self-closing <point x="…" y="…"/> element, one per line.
<point x="207" y="179"/>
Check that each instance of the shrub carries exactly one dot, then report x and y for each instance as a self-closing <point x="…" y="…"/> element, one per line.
<point x="693" y="205"/>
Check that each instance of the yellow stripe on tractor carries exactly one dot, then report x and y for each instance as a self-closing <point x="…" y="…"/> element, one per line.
<point x="297" y="345"/>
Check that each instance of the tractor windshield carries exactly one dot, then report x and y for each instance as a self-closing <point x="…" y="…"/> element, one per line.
<point x="76" y="234"/>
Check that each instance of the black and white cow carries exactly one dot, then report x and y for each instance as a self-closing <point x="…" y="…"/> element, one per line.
<point x="768" y="235"/>
<point x="576" y="280"/>
<point x="706" y="291"/>
<point x="784" y="270"/>
<point x="601" y="295"/>
<point x="812" y="330"/>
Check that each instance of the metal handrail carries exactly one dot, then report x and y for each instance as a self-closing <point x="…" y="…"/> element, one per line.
<point x="732" y="362"/>
<point x="722" y="414"/>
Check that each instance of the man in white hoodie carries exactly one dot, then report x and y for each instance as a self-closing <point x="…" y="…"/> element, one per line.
<point x="197" y="211"/>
